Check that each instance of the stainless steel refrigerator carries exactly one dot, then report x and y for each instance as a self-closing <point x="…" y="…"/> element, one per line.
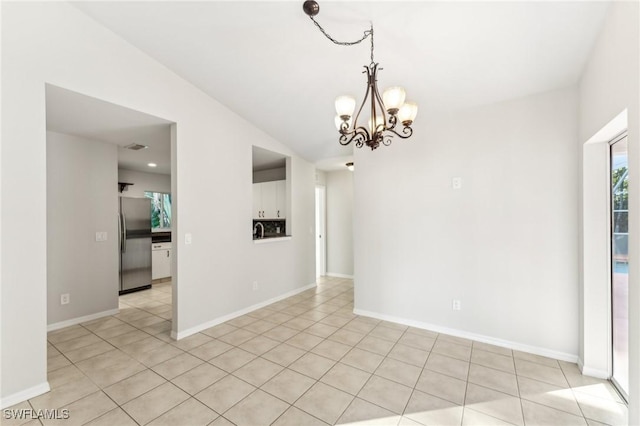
<point x="135" y="244"/>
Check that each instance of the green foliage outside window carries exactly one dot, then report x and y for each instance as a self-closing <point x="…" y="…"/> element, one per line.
<point x="621" y="189"/>
<point x="160" y="209"/>
<point x="620" y="183"/>
<point x="620" y="201"/>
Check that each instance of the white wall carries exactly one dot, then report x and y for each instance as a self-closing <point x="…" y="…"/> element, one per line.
<point x="82" y="199"/>
<point x="339" y="223"/>
<point x="505" y="244"/>
<point x="142" y="182"/>
<point x="55" y="43"/>
<point x="609" y="85"/>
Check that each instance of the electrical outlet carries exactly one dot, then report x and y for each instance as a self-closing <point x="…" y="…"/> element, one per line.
<point x="456" y="305"/>
<point x="456" y="183"/>
<point x="187" y="238"/>
<point x="255" y="286"/>
<point x="65" y="299"/>
<point x="101" y="236"/>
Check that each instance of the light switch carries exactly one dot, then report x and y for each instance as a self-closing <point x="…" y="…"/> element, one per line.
<point x="101" y="236"/>
<point x="456" y="182"/>
<point x="187" y="238"/>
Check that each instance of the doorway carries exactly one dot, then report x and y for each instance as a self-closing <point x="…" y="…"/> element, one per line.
<point x="321" y="218"/>
<point x="92" y="166"/>
<point x="619" y="167"/>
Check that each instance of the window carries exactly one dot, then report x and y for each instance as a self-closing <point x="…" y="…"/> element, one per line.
<point x="160" y="209"/>
<point x="620" y="262"/>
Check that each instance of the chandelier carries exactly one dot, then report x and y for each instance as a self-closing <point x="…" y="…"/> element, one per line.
<point x="385" y="112"/>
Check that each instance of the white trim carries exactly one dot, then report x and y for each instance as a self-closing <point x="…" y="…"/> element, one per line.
<point x="271" y="240"/>
<point x="472" y="336"/>
<point x="593" y="372"/>
<point x="595" y="254"/>
<point x="23" y="395"/>
<point x="612" y="129"/>
<point x="321" y="229"/>
<point x="74" y="321"/>
<point x="337" y="275"/>
<point x="193" y="330"/>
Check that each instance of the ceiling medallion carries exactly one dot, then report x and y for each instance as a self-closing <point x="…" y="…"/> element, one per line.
<point x="384" y="112"/>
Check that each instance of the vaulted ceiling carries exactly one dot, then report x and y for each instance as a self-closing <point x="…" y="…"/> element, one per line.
<point x="268" y="62"/>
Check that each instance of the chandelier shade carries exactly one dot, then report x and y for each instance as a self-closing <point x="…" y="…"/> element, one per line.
<point x="345" y="105"/>
<point x="393" y="98"/>
<point x="408" y="112"/>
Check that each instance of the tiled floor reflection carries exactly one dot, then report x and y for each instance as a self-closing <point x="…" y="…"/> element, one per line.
<point x="306" y="360"/>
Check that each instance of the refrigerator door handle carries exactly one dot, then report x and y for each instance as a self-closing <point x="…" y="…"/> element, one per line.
<point x="124" y="233"/>
<point x="120" y="232"/>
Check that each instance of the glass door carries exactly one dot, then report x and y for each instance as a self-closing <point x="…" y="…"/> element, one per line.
<point x="620" y="263"/>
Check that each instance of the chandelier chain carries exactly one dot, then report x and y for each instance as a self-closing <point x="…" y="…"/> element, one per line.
<point x="371" y="32"/>
<point x="345" y="43"/>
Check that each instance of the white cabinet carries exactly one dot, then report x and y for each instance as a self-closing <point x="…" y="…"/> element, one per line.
<point x="269" y="200"/>
<point x="257" y="201"/>
<point x="160" y="260"/>
<point x="281" y="199"/>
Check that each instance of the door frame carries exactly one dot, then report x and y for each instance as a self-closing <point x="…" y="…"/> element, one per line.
<point x="321" y="230"/>
<point x="619" y="388"/>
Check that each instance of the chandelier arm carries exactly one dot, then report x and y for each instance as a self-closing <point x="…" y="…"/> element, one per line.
<point x="373" y="113"/>
<point x="343" y="43"/>
<point x="376" y="95"/>
<point x="361" y="141"/>
<point x="407" y="131"/>
<point x="366" y="96"/>
<point x="393" y="120"/>
<point x="360" y="135"/>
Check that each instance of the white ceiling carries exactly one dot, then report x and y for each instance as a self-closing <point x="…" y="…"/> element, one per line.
<point x="79" y="115"/>
<point x="269" y="63"/>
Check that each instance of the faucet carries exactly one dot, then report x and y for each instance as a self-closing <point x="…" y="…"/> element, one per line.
<point x="255" y="229"/>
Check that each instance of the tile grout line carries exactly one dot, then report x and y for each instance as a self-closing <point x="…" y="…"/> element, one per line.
<point x="299" y="331"/>
<point x="519" y="394"/>
<point x="285" y="368"/>
<point x="301" y="307"/>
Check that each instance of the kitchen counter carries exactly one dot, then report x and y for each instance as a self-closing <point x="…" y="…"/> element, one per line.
<point x="271" y="238"/>
<point x="161" y="237"/>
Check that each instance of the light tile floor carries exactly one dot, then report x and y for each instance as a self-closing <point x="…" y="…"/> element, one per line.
<point x="306" y="360"/>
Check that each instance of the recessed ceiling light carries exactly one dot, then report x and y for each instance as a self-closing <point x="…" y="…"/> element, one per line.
<point x="152" y="165"/>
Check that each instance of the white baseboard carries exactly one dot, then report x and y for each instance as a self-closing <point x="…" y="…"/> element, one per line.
<point x="79" y="320"/>
<point x="193" y="330"/>
<point x="337" y="275"/>
<point x="472" y="336"/>
<point x="593" y="372"/>
<point x="21" y="396"/>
